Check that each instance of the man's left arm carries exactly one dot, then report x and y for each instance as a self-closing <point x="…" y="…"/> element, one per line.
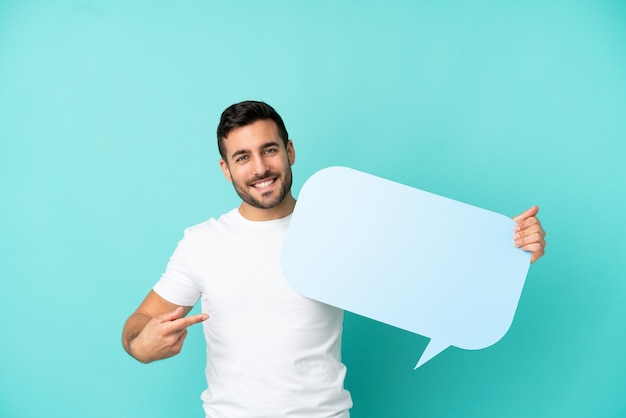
<point x="529" y="234"/>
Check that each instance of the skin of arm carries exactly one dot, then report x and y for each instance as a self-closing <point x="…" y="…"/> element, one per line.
<point x="157" y="329"/>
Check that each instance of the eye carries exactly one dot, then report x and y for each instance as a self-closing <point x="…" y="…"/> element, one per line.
<point x="241" y="158"/>
<point x="271" y="150"/>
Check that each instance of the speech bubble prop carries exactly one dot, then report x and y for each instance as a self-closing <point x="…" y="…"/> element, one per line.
<point x="405" y="257"/>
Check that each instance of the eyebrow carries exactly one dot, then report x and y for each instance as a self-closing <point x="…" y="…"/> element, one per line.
<point x="245" y="151"/>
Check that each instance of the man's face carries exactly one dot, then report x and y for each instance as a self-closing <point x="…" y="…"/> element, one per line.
<point x="258" y="164"/>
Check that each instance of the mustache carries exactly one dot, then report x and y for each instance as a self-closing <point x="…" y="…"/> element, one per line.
<point x="265" y="176"/>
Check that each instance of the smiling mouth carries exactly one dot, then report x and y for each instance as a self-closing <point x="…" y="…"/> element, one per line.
<point x="263" y="184"/>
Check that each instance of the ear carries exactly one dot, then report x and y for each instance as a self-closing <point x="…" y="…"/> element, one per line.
<point x="291" y="153"/>
<point x="225" y="170"/>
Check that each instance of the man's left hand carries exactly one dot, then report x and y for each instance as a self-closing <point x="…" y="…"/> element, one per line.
<point x="529" y="234"/>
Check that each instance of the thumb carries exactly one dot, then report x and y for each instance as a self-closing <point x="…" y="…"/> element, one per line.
<point x="526" y="214"/>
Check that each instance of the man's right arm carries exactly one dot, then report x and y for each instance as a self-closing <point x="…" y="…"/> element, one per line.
<point x="157" y="329"/>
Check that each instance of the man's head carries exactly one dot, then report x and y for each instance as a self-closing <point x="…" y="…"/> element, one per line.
<point x="257" y="157"/>
<point x="246" y="113"/>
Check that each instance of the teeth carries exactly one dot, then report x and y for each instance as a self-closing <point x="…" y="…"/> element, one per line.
<point x="263" y="184"/>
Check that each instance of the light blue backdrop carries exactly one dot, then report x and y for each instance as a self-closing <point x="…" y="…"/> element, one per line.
<point x="107" y="151"/>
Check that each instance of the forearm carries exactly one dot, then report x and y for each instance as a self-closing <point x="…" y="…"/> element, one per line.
<point x="133" y="326"/>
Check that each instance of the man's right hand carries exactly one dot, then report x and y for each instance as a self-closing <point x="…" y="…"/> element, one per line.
<point x="162" y="336"/>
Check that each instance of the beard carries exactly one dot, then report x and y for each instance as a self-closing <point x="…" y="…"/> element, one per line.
<point x="285" y="188"/>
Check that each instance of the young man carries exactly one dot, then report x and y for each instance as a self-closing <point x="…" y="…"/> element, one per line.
<point x="270" y="351"/>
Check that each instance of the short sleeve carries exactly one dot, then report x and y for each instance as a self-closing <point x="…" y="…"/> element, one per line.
<point x="177" y="284"/>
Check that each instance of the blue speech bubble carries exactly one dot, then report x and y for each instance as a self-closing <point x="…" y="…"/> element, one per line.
<point x="408" y="258"/>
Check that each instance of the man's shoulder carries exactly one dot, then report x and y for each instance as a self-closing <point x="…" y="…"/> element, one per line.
<point x="212" y="224"/>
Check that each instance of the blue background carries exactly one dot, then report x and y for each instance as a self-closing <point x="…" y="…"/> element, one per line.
<point x="107" y="151"/>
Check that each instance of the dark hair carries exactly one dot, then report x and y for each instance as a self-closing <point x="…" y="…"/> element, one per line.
<point x="246" y="113"/>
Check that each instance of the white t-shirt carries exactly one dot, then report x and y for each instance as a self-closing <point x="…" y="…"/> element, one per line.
<point x="270" y="352"/>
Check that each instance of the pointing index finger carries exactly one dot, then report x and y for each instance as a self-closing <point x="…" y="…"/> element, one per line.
<point x="192" y="319"/>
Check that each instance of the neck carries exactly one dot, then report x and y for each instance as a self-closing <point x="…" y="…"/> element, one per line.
<point x="283" y="209"/>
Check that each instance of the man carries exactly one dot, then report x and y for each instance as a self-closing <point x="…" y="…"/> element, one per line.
<point x="270" y="351"/>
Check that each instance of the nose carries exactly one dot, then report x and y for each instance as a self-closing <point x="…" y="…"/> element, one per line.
<point x="259" y="167"/>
